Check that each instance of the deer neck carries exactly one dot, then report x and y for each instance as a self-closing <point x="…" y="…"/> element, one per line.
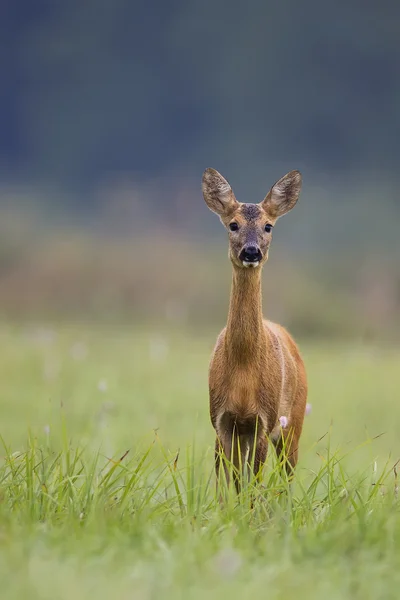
<point x="245" y="330"/>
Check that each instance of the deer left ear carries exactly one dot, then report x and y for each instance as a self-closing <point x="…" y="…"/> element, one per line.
<point x="218" y="194"/>
<point x="283" y="195"/>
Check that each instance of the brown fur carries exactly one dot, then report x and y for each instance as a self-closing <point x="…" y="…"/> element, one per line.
<point x="256" y="373"/>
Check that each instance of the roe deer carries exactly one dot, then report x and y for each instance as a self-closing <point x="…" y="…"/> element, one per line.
<point x="257" y="379"/>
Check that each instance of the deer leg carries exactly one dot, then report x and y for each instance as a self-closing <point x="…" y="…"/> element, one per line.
<point x="256" y="460"/>
<point x="222" y="453"/>
<point x="287" y="450"/>
<point x="242" y="445"/>
<point x="260" y="456"/>
<point x="231" y="451"/>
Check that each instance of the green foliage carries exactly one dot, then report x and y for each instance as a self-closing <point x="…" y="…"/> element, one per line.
<point x="73" y="275"/>
<point x="113" y="493"/>
<point x="157" y="524"/>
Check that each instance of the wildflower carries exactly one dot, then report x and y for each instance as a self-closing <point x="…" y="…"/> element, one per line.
<point x="284" y="422"/>
<point x="158" y="348"/>
<point x="227" y="562"/>
<point x="102" y="385"/>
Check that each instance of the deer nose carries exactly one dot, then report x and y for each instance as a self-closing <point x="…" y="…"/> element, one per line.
<point x="251" y="254"/>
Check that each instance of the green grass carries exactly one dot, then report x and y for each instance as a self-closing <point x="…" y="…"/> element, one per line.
<point x="107" y="485"/>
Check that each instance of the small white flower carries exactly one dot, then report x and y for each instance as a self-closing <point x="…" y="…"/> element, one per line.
<point x="158" y="348"/>
<point x="284" y="422"/>
<point x="102" y="385"/>
<point x="43" y="337"/>
<point x="308" y="408"/>
<point x="227" y="562"/>
<point x="46" y="429"/>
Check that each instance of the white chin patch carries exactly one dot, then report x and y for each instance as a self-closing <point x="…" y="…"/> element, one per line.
<point x="250" y="264"/>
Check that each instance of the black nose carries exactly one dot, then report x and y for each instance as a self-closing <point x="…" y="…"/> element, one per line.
<point x="251" y="254"/>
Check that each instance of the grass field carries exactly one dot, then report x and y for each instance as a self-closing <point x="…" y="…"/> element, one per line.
<point x="106" y="476"/>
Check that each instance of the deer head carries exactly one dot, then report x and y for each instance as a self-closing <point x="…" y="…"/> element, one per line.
<point x="250" y="225"/>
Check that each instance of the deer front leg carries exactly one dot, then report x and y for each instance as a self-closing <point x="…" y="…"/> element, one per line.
<point x="222" y="455"/>
<point x="287" y="450"/>
<point x="260" y="456"/>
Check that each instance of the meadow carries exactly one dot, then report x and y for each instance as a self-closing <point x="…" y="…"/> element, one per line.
<point x="107" y="485"/>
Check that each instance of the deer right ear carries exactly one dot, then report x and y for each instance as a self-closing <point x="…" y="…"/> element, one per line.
<point x="283" y="195"/>
<point x="218" y="193"/>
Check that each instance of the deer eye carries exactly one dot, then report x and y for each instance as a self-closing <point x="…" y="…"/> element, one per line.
<point x="268" y="227"/>
<point x="233" y="226"/>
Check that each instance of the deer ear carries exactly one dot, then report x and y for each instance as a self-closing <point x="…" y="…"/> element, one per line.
<point x="283" y="195"/>
<point x="218" y="193"/>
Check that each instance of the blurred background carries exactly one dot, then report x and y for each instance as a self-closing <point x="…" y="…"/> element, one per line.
<point x="111" y="110"/>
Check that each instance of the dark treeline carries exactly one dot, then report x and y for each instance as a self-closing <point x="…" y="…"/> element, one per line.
<point x="97" y="87"/>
